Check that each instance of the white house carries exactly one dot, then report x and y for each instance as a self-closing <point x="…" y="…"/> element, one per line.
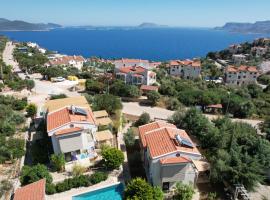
<point x="74" y="61"/>
<point x="259" y="51"/>
<point x="242" y="75"/>
<point x="238" y="58"/>
<point x="124" y="62"/>
<point x="186" y="69"/>
<point x="71" y="126"/>
<point x="168" y="155"/>
<point x="135" y="75"/>
<point x="235" y="48"/>
<point x="72" y="132"/>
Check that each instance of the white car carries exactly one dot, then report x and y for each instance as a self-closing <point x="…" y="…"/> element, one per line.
<point x="59" y="79"/>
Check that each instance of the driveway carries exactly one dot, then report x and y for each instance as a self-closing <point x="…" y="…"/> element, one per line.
<point x="134" y="108"/>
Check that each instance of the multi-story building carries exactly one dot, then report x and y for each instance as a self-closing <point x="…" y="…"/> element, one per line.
<point x="131" y="63"/>
<point x="259" y="51"/>
<point x="242" y="75"/>
<point x="169" y="155"/>
<point x="235" y="48"/>
<point x="187" y="69"/>
<point x="238" y="58"/>
<point x="135" y="75"/>
<point x="71" y="126"/>
<point x="74" y="61"/>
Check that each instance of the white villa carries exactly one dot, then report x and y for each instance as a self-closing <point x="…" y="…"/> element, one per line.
<point x="170" y="156"/>
<point x="124" y="62"/>
<point x="135" y="75"/>
<point x="74" y="61"/>
<point x="72" y="128"/>
<point x="186" y="69"/>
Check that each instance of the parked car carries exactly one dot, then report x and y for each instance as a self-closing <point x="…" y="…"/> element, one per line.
<point x="58" y="79"/>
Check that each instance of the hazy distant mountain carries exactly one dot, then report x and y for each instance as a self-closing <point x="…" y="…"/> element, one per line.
<point x="257" y="27"/>
<point x="151" y="25"/>
<point x="17" y="25"/>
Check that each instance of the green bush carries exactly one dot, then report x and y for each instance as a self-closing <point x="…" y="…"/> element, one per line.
<point x="58" y="162"/>
<point x="75" y="182"/>
<point x="35" y="173"/>
<point x="98" y="177"/>
<point x="50" y="188"/>
<point x="113" y="157"/>
<point x="143" y="119"/>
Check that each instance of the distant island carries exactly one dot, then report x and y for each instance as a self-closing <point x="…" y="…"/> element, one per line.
<point x="151" y="25"/>
<point x="17" y="25"/>
<point x="262" y="27"/>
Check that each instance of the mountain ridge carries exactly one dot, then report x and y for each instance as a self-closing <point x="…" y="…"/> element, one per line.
<point x="19" y="25"/>
<point x="257" y="27"/>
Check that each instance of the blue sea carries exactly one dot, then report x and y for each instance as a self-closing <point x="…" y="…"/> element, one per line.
<point x="152" y="44"/>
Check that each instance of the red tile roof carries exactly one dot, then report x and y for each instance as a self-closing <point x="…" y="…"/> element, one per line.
<point x="66" y="59"/>
<point x="64" y="116"/>
<point x="152" y="126"/>
<point x="242" y="68"/>
<point x="162" y="141"/>
<point x="149" y="88"/>
<point x="68" y="130"/>
<point x="215" y="106"/>
<point x="127" y="60"/>
<point x="174" y="160"/>
<point x="192" y="63"/>
<point x="33" y="191"/>
<point x="131" y="69"/>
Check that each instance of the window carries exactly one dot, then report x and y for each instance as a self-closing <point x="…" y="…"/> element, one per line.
<point x="244" y="76"/>
<point x="68" y="157"/>
<point x="239" y="77"/>
<point x="165" y="186"/>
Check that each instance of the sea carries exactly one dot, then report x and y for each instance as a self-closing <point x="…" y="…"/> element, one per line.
<point x="156" y="44"/>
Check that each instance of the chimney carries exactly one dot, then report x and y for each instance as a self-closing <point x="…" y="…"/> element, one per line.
<point x="72" y="109"/>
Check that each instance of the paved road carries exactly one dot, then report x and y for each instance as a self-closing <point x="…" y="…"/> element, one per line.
<point x="42" y="89"/>
<point x="133" y="108"/>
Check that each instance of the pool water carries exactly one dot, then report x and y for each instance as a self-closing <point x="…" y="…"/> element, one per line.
<point x="114" y="192"/>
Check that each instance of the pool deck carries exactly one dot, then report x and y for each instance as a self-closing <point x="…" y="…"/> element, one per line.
<point x="77" y="191"/>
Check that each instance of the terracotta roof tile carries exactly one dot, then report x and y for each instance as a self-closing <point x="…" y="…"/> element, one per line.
<point x="162" y="141"/>
<point x="65" y="60"/>
<point x="242" y="68"/>
<point x="131" y="69"/>
<point x="68" y="130"/>
<point x="150" y="127"/>
<point x="149" y="87"/>
<point x="33" y="191"/>
<point x="64" y="116"/>
<point x="174" y="160"/>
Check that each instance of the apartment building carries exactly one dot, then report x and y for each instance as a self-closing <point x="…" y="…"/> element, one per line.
<point x="242" y="75"/>
<point x="187" y="69"/>
<point x="135" y="75"/>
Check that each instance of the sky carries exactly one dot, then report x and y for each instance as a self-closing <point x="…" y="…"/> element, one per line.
<point x="182" y="13"/>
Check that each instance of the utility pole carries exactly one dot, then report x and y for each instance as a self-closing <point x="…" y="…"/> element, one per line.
<point x="228" y="103"/>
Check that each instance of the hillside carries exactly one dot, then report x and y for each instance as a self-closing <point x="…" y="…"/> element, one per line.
<point x="17" y="25"/>
<point x="257" y="27"/>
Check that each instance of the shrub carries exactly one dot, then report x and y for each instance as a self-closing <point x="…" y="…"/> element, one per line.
<point x="50" y="189"/>
<point x="153" y="97"/>
<point x="5" y="186"/>
<point x="143" y="119"/>
<point x="98" y="177"/>
<point x="173" y="104"/>
<point x="58" y="96"/>
<point x="35" y="173"/>
<point x="31" y="110"/>
<point x="113" y="157"/>
<point x="129" y="138"/>
<point x="63" y="186"/>
<point x="139" y="189"/>
<point x="183" y="192"/>
<point x="78" y="170"/>
<point x="58" y="162"/>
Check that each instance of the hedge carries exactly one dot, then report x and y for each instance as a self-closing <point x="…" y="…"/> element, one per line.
<point x="75" y="182"/>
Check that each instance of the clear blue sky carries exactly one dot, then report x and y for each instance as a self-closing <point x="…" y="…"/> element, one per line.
<point x="194" y="13"/>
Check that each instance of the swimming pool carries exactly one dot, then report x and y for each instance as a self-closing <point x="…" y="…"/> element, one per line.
<point x="114" y="192"/>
